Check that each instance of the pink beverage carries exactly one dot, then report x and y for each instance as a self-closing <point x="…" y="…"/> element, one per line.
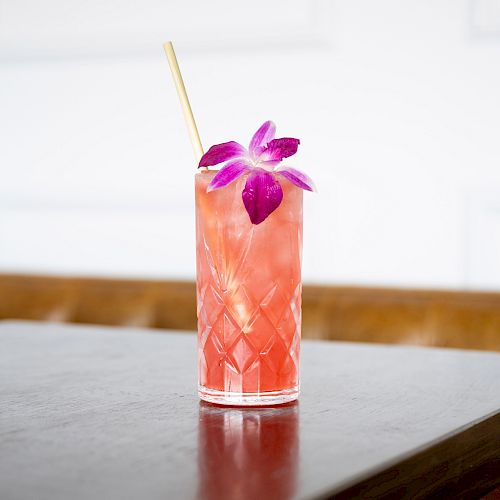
<point x="249" y="296"/>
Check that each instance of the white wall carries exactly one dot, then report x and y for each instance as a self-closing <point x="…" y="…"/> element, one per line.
<point x="397" y="105"/>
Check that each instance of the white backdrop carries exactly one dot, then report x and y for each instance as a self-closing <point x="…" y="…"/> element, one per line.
<point x="396" y="103"/>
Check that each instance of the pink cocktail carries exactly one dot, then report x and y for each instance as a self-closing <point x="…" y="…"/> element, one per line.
<point x="249" y="296"/>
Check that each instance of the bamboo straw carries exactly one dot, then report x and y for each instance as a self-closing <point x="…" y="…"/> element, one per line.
<point x="186" y="108"/>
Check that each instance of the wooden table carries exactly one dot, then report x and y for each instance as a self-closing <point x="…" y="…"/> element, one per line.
<point x="112" y="413"/>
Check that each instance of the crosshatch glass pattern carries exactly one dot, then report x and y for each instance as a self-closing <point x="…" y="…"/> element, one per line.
<point x="248" y="291"/>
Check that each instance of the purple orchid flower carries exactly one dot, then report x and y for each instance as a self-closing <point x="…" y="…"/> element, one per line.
<point x="262" y="194"/>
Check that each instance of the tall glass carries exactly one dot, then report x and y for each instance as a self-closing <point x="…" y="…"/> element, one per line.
<point x="248" y="296"/>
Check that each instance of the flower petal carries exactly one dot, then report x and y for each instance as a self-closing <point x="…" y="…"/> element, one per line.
<point x="297" y="177"/>
<point x="262" y="195"/>
<point x="277" y="149"/>
<point x="260" y="139"/>
<point x="228" y="173"/>
<point x="222" y="152"/>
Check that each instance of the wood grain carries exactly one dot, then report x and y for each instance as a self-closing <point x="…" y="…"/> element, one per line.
<point x="100" y="412"/>
<point x="469" y="320"/>
<point x="431" y="473"/>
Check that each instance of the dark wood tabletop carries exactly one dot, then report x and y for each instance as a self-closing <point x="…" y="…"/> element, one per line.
<point x="112" y="413"/>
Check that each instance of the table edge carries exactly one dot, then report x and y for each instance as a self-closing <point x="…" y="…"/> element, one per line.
<point x="444" y="468"/>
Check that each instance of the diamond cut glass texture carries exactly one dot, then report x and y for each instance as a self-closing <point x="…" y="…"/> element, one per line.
<point x="248" y="295"/>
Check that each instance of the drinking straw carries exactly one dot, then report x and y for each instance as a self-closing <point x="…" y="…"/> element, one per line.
<point x="186" y="108"/>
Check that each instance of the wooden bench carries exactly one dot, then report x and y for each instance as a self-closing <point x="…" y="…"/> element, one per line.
<point x="468" y="320"/>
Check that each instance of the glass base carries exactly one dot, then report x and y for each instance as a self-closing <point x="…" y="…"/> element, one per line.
<point x="248" y="398"/>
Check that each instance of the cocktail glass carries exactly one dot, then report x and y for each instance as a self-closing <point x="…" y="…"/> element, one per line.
<point x="248" y="296"/>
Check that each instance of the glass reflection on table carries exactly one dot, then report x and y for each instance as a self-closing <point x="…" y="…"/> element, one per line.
<point x="248" y="453"/>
